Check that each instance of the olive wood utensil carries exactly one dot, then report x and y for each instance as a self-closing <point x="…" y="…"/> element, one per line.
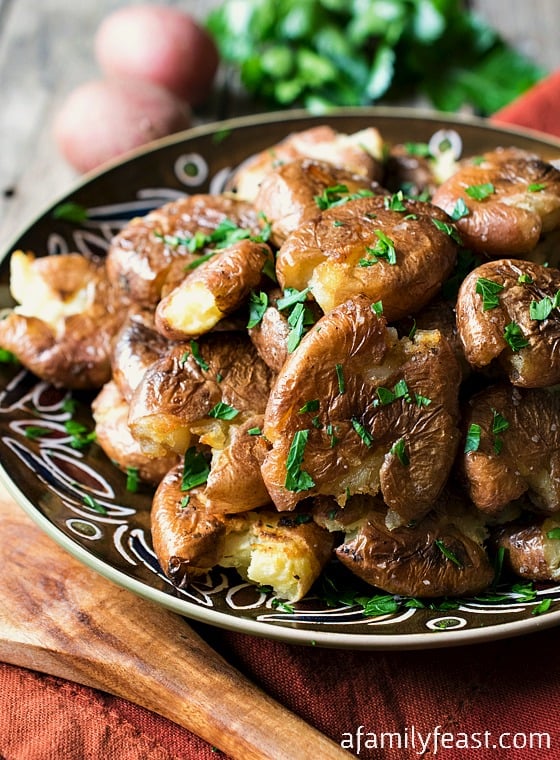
<point x="59" y="617"/>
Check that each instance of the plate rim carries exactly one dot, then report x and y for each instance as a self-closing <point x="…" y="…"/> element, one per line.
<point x="286" y="634"/>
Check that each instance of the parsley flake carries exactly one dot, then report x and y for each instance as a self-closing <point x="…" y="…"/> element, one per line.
<point x="258" y="304"/>
<point x="92" y="503"/>
<point x="514" y="337"/>
<point x="195" y="349"/>
<point x="223" y="411"/>
<point x="340" y="378"/>
<point x="472" y="442"/>
<point x="132" y="479"/>
<point x="447" y="553"/>
<point x="554" y="534"/>
<point x="310" y="406"/>
<point x="480" y="192"/>
<point x="398" y="449"/>
<point x="297" y="479"/>
<point x="489" y="291"/>
<point x="536" y="187"/>
<point x="460" y="210"/>
<point x="395" y="202"/>
<point x="364" y="434"/>
<point x="195" y="469"/>
<point x="449" y="229"/>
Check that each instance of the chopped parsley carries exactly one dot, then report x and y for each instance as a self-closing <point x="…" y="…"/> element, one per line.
<point x="340" y="378"/>
<point x="472" y="442"/>
<point x="554" y="534"/>
<point x="254" y="431"/>
<point x="71" y="212"/>
<point x="195" y="350"/>
<point x="291" y="297"/>
<point x="398" y="449"/>
<point x="480" y="192"/>
<point x="447" y="553"/>
<point x="195" y="469"/>
<point x="449" y="230"/>
<point x="499" y="425"/>
<point x="223" y="411"/>
<point x="525" y="279"/>
<point x="543" y="606"/>
<point x="420" y="149"/>
<point x="297" y="479"/>
<point x="395" y="202"/>
<point x="488" y="290"/>
<point x="80" y="436"/>
<point x="258" y="304"/>
<point x="7" y="357"/>
<point x="310" y="406"/>
<point x="540" y="310"/>
<point x="184" y="503"/>
<point x="132" y="479"/>
<point x="460" y="210"/>
<point x="384" y="248"/>
<point x="34" y="431"/>
<point x="514" y="337"/>
<point x="377" y="308"/>
<point x="92" y="503"/>
<point x="299" y="318"/>
<point x="278" y="604"/>
<point x="364" y="434"/>
<point x="385" y="396"/>
<point x="536" y="187"/>
<point x="337" y="195"/>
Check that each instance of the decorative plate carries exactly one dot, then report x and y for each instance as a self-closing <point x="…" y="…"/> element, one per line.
<point x="49" y="477"/>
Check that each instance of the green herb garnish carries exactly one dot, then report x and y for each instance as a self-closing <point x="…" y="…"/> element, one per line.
<point x="310" y="406"/>
<point x="395" y="202"/>
<point x="195" y="350"/>
<point x="514" y="337"/>
<point x="258" y="304"/>
<point x="472" y="442"/>
<point x="398" y="449"/>
<point x="71" y="212"/>
<point x="364" y="434"/>
<point x="480" y="192"/>
<point x="536" y="187"/>
<point x="195" y="469"/>
<point x="489" y="291"/>
<point x="460" y="210"/>
<point x="132" y="479"/>
<point x="222" y="411"/>
<point x="340" y="378"/>
<point x="297" y="479"/>
<point x="446" y="551"/>
<point x="92" y="503"/>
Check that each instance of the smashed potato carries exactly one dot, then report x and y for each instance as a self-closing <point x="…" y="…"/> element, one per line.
<point x="507" y="312"/>
<point x="65" y="320"/>
<point x="355" y="410"/>
<point x="365" y="246"/>
<point x="504" y="200"/>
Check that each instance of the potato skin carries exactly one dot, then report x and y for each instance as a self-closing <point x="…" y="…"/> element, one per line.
<point x="187" y="540"/>
<point x="74" y="351"/>
<point x="511" y="219"/>
<point x="288" y="194"/>
<point x="140" y="256"/>
<point x="110" y="412"/>
<point x="176" y="393"/>
<point x="529" y="551"/>
<point x="482" y="331"/>
<point x="235" y="482"/>
<point x="409" y="560"/>
<point x="526" y="458"/>
<point x="332" y="254"/>
<point x="136" y="347"/>
<point x="338" y="460"/>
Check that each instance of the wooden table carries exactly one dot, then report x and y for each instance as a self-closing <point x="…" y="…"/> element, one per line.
<point x="46" y="50"/>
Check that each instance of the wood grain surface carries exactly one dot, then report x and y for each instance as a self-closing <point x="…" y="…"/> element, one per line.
<point x="59" y="617"/>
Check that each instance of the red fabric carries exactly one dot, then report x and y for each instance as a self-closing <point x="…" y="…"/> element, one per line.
<point x="505" y="686"/>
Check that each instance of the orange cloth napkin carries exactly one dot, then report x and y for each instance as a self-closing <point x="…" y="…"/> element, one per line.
<point x="499" y="692"/>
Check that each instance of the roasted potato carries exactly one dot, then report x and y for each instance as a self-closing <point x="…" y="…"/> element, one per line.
<point x="441" y="555"/>
<point x="136" y="347"/>
<point x="399" y="257"/>
<point x="505" y="200"/>
<point x="285" y="552"/>
<point x="355" y="410"/>
<point x="235" y="482"/>
<point x="506" y="313"/>
<point x="512" y="447"/>
<point x="177" y="393"/>
<point x="532" y="549"/>
<point x="110" y="413"/>
<point x="215" y="289"/>
<point x="360" y="153"/>
<point x="294" y="192"/>
<point x="65" y="321"/>
<point x="141" y="255"/>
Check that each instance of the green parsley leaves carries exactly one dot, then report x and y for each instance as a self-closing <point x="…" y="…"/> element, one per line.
<point x="258" y="304"/>
<point x="514" y="337"/>
<point x="195" y="469"/>
<point x="384" y="248"/>
<point x="489" y="290"/>
<point x="297" y="479"/>
<point x="480" y="192"/>
<point x="473" y="438"/>
<point x="222" y="411"/>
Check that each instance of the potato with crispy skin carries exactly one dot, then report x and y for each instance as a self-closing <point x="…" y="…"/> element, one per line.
<point x="295" y="192"/>
<point x="110" y="413"/>
<point x="532" y="549"/>
<point x="506" y="313"/>
<point x="136" y="347"/>
<point x="66" y="319"/>
<point x="215" y="289"/>
<point x="360" y="153"/>
<point x="176" y="395"/>
<point x="285" y="552"/>
<point x="142" y="254"/>
<point x="271" y="335"/>
<point x="235" y="482"/>
<point x="512" y="447"/>
<point x="506" y="199"/>
<point x="441" y="555"/>
<point x="355" y="410"/>
<point x="393" y="250"/>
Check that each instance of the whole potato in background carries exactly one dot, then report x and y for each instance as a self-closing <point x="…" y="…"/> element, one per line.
<point x="103" y="119"/>
<point x="158" y="44"/>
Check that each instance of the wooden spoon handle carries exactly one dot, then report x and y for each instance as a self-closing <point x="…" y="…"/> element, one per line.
<point x="59" y="617"/>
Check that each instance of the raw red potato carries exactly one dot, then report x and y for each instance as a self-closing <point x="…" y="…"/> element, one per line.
<point x="161" y="45"/>
<point x="102" y="120"/>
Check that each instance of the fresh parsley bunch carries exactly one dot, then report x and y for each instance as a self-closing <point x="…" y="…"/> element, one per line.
<point x="324" y="53"/>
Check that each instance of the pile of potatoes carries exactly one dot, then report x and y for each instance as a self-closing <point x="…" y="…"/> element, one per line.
<point x="351" y="353"/>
